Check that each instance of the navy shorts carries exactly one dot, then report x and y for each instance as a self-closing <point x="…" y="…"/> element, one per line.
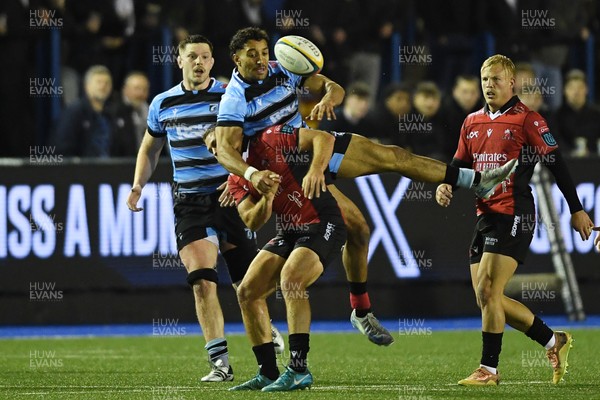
<point x="325" y="238"/>
<point x="199" y="216"/>
<point x="342" y="141"/>
<point x="509" y="235"/>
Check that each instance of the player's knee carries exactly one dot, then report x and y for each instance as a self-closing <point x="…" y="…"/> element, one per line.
<point x="359" y="233"/>
<point x="484" y="293"/>
<point x="245" y="294"/>
<point x="203" y="282"/>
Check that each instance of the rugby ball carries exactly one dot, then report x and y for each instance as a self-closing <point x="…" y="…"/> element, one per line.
<point x="298" y="55"/>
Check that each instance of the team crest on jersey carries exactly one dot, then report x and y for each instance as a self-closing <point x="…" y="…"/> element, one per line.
<point x="508" y="135"/>
<point x="549" y="139"/>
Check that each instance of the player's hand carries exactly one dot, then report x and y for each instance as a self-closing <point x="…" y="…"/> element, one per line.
<point x="323" y="108"/>
<point x="313" y="184"/>
<point x="275" y="187"/>
<point x="225" y="198"/>
<point x="264" y="180"/>
<point x="443" y="194"/>
<point x="134" y="197"/>
<point x="582" y="223"/>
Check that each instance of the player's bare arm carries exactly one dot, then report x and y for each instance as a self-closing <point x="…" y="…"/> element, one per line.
<point x="227" y="147"/>
<point x="256" y="213"/>
<point x="146" y="162"/>
<point x="320" y="143"/>
<point x="333" y="95"/>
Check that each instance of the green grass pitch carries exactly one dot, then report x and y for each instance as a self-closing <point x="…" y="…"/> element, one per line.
<point x="344" y="366"/>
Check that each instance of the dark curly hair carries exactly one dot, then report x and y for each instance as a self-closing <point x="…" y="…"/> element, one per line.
<point x="238" y="41"/>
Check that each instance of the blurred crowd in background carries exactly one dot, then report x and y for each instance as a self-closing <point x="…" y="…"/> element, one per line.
<point x="79" y="74"/>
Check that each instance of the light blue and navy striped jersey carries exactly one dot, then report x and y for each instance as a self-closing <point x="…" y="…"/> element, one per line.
<point x="256" y="106"/>
<point x="183" y="116"/>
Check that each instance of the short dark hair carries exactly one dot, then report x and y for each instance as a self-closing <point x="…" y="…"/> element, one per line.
<point x="238" y="41"/>
<point x="575" y="75"/>
<point x="428" y="88"/>
<point x="194" y="39"/>
<point x="394" y="87"/>
<point x="467" y="78"/>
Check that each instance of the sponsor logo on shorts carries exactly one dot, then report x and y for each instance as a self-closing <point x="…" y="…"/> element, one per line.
<point x="491" y="241"/>
<point x="516" y="221"/>
<point x="329" y="230"/>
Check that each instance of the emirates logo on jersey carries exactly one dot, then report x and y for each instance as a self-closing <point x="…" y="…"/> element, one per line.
<point x="490" y="157"/>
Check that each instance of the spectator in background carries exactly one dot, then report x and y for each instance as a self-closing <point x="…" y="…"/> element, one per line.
<point x="382" y="121"/>
<point x="16" y="112"/>
<point x="370" y="31"/>
<point x="453" y="26"/>
<point x="423" y="126"/>
<point x="129" y="113"/>
<point x="577" y="121"/>
<point x="464" y="100"/>
<point x="524" y="77"/>
<point x="549" y="48"/>
<point x="350" y="117"/>
<point x="532" y="97"/>
<point x="84" y="129"/>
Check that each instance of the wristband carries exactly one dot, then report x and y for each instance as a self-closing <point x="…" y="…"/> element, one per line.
<point x="249" y="172"/>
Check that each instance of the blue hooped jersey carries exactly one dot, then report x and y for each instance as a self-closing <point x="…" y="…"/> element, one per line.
<point x="255" y="106"/>
<point x="183" y="116"/>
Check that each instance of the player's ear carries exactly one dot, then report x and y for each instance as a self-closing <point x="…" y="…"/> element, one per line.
<point x="236" y="59"/>
<point x="179" y="62"/>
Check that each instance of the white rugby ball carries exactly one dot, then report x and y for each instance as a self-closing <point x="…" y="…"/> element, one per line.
<point x="298" y="55"/>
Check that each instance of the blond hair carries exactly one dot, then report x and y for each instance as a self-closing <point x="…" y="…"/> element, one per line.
<point x="499" y="59"/>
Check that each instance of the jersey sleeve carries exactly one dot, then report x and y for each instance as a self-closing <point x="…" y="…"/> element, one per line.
<point x="238" y="188"/>
<point x="537" y="134"/>
<point x="462" y="151"/>
<point x="233" y="106"/>
<point x="155" y="128"/>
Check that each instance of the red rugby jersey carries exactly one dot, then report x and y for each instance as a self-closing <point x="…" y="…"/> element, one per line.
<point x="277" y="149"/>
<point x="490" y="140"/>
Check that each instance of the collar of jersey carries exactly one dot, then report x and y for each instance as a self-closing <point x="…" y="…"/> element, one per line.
<point x="212" y="83"/>
<point x="246" y="81"/>
<point x="493" y="115"/>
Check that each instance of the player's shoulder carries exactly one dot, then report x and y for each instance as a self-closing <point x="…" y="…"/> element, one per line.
<point x="176" y="90"/>
<point x="475" y="116"/>
<point x="218" y="86"/>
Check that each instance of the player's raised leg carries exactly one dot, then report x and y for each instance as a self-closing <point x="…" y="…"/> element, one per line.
<point x="200" y="258"/>
<point x="258" y="283"/>
<point x="354" y="258"/>
<point x="364" y="157"/>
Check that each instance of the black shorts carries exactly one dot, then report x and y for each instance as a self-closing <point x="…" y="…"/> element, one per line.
<point x="325" y="238"/>
<point x="340" y="146"/>
<point x="509" y="235"/>
<point x="198" y="216"/>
